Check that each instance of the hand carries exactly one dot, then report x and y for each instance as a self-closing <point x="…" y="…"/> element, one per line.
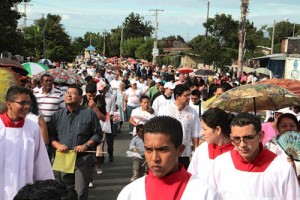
<point x="62" y="148"/>
<point x="80" y="148"/>
<point x="92" y="104"/>
<point x="134" y="149"/>
<point x="124" y="109"/>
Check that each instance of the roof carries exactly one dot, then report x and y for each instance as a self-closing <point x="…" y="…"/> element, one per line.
<point x="279" y="56"/>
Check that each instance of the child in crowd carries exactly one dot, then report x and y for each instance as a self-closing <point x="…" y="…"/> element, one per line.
<point x="137" y="145"/>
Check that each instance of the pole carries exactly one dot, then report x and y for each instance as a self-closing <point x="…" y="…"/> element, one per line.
<point x="25" y="15"/>
<point x="122" y="33"/>
<point x="207" y="17"/>
<point x="242" y="35"/>
<point x="273" y="36"/>
<point x="294" y="30"/>
<point x="155" y="34"/>
<point x="44" y="41"/>
<point x="104" y="44"/>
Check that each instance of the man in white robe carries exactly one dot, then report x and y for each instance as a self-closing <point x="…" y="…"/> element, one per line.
<point x="162" y="101"/>
<point x="167" y="179"/>
<point x="250" y="171"/>
<point x="23" y="155"/>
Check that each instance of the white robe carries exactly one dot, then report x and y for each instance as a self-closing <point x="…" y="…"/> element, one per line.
<point x="23" y="158"/>
<point x="201" y="164"/>
<point x="160" y="103"/>
<point x="195" y="189"/>
<point x="278" y="181"/>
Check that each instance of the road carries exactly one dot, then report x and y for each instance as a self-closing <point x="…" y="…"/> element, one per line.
<point x="116" y="174"/>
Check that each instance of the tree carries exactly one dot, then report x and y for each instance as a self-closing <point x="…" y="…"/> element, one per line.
<point x="130" y="46"/>
<point x="11" y="38"/>
<point x="55" y="36"/>
<point x="144" y="51"/>
<point x="134" y="26"/>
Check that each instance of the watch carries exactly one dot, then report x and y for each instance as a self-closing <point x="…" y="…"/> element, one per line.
<point x="87" y="145"/>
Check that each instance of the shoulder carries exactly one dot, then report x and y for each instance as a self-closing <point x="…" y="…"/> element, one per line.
<point x="132" y="189"/>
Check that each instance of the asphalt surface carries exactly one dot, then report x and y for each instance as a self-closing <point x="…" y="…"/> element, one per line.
<point x="116" y="174"/>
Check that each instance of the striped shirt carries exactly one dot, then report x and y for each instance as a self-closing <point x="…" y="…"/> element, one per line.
<point x="49" y="103"/>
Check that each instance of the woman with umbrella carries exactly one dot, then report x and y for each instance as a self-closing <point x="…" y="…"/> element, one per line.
<point x="285" y="123"/>
<point x="215" y="125"/>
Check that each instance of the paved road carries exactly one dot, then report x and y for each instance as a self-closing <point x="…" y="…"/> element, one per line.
<point x="116" y="174"/>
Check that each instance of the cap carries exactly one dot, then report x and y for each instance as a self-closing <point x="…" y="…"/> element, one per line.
<point x="133" y="81"/>
<point x="164" y="66"/>
<point x="157" y="80"/>
<point x="169" y="85"/>
<point x="101" y="85"/>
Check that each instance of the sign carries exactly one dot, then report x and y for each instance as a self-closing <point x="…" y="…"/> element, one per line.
<point x="155" y="52"/>
<point x="292" y="68"/>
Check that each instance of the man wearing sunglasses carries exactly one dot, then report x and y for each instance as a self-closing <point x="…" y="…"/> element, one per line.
<point x="250" y="171"/>
<point x="23" y="155"/>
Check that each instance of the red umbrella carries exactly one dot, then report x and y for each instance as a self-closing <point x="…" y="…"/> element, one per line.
<point x="185" y="70"/>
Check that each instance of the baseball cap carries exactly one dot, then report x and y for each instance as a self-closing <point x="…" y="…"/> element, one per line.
<point x="169" y="85"/>
<point x="133" y="81"/>
<point x="157" y="80"/>
<point x="101" y="85"/>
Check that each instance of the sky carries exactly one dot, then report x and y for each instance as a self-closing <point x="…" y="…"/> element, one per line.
<point x="179" y="17"/>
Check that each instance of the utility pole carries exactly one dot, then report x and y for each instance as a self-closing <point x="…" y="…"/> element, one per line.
<point x="207" y="17"/>
<point x="44" y="41"/>
<point x="104" y="43"/>
<point x="25" y="14"/>
<point x="242" y="36"/>
<point x="273" y="36"/>
<point x="122" y="35"/>
<point x="155" y="50"/>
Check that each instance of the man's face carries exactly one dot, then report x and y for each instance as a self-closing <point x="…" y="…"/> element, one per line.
<point x="72" y="97"/>
<point x="248" y="149"/>
<point x="161" y="89"/>
<point x="20" y="106"/>
<point x="47" y="83"/>
<point x="145" y="104"/>
<point x="90" y="96"/>
<point x="161" y="154"/>
<point x="184" y="98"/>
<point x="195" y="99"/>
<point x="219" y="91"/>
<point x="168" y="92"/>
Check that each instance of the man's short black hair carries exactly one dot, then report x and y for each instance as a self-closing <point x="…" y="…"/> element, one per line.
<point x="165" y="125"/>
<point x="79" y="90"/>
<point x="88" y="78"/>
<point x="180" y="89"/>
<point x="91" y="88"/>
<point x="13" y="91"/>
<point x="244" y="119"/>
<point x="196" y="93"/>
<point x="46" y="190"/>
<point x="45" y="75"/>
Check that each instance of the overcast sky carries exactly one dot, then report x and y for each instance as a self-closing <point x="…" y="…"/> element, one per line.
<point x="180" y="17"/>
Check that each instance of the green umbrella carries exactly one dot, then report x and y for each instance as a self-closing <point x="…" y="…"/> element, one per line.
<point x="35" y="68"/>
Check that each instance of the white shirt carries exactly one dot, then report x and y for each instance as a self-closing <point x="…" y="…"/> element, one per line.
<point x="195" y="189"/>
<point x="190" y="124"/>
<point x="278" y="181"/>
<point x="23" y="158"/>
<point x="160" y="103"/>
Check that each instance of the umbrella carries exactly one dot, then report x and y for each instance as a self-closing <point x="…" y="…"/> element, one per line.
<point x="62" y="76"/>
<point x="90" y="48"/>
<point x="35" y="68"/>
<point x="46" y="62"/>
<point x="289" y="84"/>
<point x="204" y="72"/>
<point x="114" y="67"/>
<point x="247" y="98"/>
<point x="14" y="65"/>
<point x="8" y="78"/>
<point x="185" y="70"/>
<point x="265" y="71"/>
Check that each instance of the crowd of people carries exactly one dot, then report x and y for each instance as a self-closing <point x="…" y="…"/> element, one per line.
<point x="183" y="148"/>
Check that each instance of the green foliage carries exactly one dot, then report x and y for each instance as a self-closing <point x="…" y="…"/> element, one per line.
<point x="130" y="46"/>
<point x="11" y="38"/>
<point x="145" y="49"/>
<point x="135" y="26"/>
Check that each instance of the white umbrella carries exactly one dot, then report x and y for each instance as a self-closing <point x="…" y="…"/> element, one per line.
<point x="34" y="68"/>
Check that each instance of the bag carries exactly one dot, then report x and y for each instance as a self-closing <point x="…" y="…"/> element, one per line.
<point x="135" y="99"/>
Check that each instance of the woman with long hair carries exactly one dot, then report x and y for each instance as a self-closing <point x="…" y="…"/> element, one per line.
<point x="215" y="125"/>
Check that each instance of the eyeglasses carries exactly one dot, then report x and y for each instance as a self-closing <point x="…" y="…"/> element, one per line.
<point x="23" y="103"/>
<point x="245" y="139"/>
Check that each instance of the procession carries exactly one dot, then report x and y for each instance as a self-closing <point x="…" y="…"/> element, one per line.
<point x="125" y="116"/>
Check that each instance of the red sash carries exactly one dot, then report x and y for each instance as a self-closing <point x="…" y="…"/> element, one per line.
<point x="215" y="150"/>
<point x="8" y="123"/>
